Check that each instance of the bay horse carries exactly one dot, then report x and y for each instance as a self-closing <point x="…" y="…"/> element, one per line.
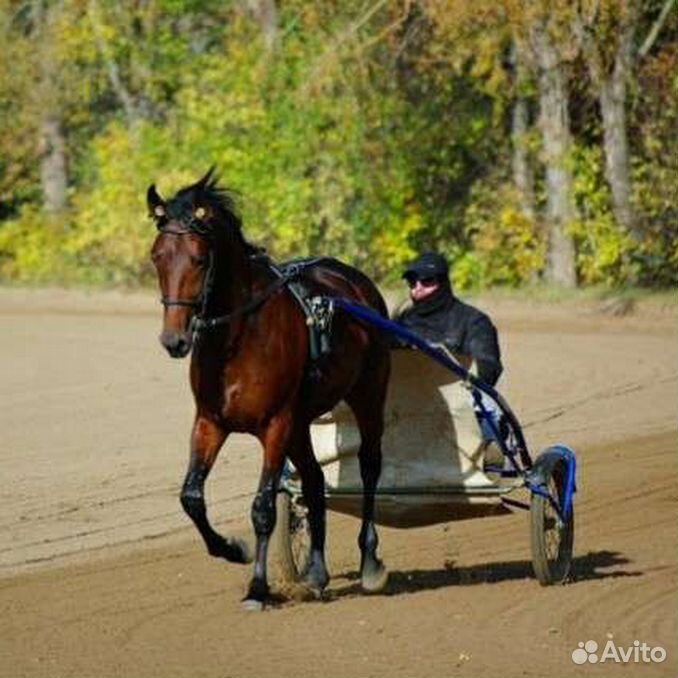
<point x="226" y="303"/>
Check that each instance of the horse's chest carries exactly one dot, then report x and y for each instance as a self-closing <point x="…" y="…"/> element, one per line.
<point x="228" y="400"/>
<point x="247" y="398"/>
<point x="252" y="385"/>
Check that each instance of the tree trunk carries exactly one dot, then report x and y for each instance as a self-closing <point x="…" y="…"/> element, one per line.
<point x="53" y="166"/>
<point x="613" y="112"/>
<point x="609" y="83"/>
<point x="265" y="13"/>
<point x="52" y="146"/>
<point x="129" y="105"/>
<point x="523" y="176"/>
<point x="554" y="122"/>
<point x="612" y="98"/>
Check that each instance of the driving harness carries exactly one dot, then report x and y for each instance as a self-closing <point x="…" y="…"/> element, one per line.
<point x="317" y="310"/>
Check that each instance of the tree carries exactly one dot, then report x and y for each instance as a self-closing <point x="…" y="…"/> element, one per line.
<point x="606" y="35"/>
<point x="606" y="32"/>
<point x="545" y="40"/>
<point x="50" y="88"/>
<point x="522" y="164"/>
<point x="540" y="48"/>
<point x="265" y="13"/>
<point x="40" y="22"/>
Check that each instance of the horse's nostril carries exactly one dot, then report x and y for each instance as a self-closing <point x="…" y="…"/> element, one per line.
<point x="177" y="345"/>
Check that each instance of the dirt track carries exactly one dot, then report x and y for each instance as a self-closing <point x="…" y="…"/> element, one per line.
<point x="101" y="575"/>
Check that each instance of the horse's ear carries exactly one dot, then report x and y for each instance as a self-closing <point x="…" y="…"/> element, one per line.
<point x="206" y="180"/>
<point x="156" y="205"/>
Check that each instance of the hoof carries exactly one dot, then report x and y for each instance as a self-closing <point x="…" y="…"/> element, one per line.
<point x="242" y="551"/>
<point x="252" y="605"/>
<point x="374" y="579"/>
<point x="257" y="596"/>
<point x="232" y="550"/>
<point x="312" y="589"/>
<point x="315" y="581"/>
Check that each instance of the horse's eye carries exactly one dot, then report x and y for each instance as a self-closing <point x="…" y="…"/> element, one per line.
<point x="200" y="261"/>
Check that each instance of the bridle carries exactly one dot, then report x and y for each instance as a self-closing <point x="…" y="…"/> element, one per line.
<point x="199" y="301"/>
<point x="200" y="321"/>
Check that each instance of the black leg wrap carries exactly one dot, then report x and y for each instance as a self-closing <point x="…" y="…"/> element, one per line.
<point x="194" y="506"/>
<point x="193" y="502"/>
<point x="368" y="540"/>
<point x="263" y="510"/>
<point x="192" y="494"/>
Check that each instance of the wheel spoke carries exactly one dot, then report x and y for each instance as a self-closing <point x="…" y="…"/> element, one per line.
<point x="552" y="525"/>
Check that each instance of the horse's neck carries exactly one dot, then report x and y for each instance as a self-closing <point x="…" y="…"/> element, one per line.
<point x="232" y="285"/>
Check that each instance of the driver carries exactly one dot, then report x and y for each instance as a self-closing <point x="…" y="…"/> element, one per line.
<point x="439" y="316"/>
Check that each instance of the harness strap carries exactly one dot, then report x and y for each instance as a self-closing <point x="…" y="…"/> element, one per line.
<point x="208" y="323"/>
<point x="284" y="276"/>
<point x="318" y="341"/>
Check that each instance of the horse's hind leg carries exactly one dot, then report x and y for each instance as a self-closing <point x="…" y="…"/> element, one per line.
<point x="367" y="402"/>
<point x="313" y="488"/>
<point x="206" y="441"/>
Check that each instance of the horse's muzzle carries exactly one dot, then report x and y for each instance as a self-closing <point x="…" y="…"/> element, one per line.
<point x="178" y="344"/>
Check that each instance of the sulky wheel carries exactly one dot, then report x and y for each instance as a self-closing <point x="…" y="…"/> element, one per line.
<point x="291" y="538"/>
<point x="552" y="538"/>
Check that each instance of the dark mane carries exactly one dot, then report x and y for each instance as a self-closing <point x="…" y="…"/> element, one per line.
<point x="208" y="193"/>
<point x="218" y="198"/>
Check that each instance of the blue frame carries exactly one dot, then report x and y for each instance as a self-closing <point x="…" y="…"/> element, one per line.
<point x="536" y="480"/>
<point x="517" y="452"/>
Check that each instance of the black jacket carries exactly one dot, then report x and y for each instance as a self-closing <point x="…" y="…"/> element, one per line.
<point x="462" y="328"/>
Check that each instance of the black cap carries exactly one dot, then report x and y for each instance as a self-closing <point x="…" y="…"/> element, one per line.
<point x="427" y="265"/>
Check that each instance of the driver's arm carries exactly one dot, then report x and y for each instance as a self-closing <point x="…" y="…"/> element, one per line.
<point x="482" y="344"/>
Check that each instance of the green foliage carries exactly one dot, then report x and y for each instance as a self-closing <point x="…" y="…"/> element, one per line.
<point x="30" y="248"/>
<point x="367" y="133"/>
<point x="290" y="139"/>
<point x="604" y="250"/>
<point x="655" y="168"/>
<point x="507" y="247"/>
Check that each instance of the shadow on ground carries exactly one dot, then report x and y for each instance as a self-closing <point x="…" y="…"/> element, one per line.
<point x="587" y="567"/>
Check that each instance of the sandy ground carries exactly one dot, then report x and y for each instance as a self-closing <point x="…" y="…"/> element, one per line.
<point x="101" y="574"/>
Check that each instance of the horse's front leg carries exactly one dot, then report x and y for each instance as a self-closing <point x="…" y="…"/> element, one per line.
<point x="274" y="439"/>
<point x="206" y="441"/>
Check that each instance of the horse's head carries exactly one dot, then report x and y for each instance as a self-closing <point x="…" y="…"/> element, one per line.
<point x="183" y="257"/>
